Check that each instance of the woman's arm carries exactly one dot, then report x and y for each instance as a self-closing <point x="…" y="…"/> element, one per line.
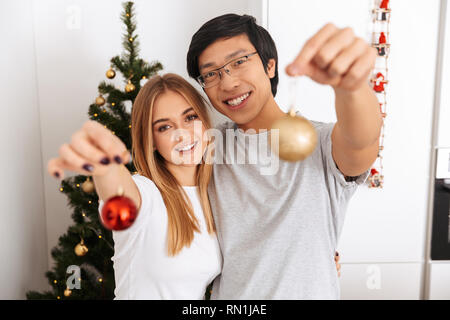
<point x="107" y="185"/>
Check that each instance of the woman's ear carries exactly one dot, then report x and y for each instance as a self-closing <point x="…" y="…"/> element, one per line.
<point x="271" y="67"/>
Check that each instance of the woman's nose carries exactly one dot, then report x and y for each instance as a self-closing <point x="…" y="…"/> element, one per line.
<point x="181" y="134"/>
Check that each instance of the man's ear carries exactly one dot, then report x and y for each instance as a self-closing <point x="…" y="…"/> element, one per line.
<point x="271" y="67"/>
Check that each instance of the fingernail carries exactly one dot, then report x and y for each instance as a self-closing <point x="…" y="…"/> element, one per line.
<point x="332" y="73"/>
<point x="88" y="167"/>
<point x="293" y="69"/>
<point x="118" y="159"/>
<point x="56" y="174"/>
<point x="337" y="254"/>
<point x="105" y="161"/>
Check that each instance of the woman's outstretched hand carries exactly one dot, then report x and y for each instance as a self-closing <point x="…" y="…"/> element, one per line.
<point x="92" y="152"/>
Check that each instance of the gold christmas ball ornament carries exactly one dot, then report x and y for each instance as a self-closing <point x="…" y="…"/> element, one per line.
<point x="100" y="100"/>
<point x="67" y="292"/>
<point x="81" y="249"/>
<point x="88" y="186"/>
<point x="129" y="87"/>
<point x="110" y="74"/>
<point x="297" y="137"/>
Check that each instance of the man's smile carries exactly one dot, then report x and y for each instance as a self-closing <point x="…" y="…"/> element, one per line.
<point x="237" y="102"/>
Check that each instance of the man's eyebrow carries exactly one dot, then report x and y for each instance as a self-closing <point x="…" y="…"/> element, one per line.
<point x="166" y="119"/>
<point x="231" y="55"/>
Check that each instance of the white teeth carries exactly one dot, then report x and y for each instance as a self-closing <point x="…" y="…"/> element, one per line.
<point x="186" y="148"/>
<point x="238" y="100"/>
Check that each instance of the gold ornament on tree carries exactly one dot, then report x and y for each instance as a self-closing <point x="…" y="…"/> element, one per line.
<point x="67" y="292"/>
<point x="110" y="74"/>
<point x="81" y="249"/>
<point x="129" y="87"/>
<point x="100" y="100"/>
<point x="88" y="186"/>
<point x="297" y="136"/>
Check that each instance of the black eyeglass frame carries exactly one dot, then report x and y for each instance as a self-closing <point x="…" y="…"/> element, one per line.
<point x="223" y="67"/>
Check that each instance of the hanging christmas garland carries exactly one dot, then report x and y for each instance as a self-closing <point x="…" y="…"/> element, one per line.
<point x="381" y="15"/>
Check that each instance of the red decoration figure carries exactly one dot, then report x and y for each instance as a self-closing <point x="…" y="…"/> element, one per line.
<point x="382" y="38"/>
<point x="379" y="83"/>
<point x="384" y="5"/>
<point x="381" y="41"/>
<point x="375" y="179"/>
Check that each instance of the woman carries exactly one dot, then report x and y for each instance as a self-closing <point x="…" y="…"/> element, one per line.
<point x="171" y="250"/>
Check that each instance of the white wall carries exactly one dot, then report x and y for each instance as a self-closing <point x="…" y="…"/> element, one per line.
<point x="75" y="41"/>
<point x="385" y="227"/>
<point x="23" y="248"/>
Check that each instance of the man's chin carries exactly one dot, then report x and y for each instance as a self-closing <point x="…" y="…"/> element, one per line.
<point x="243" y="119"/>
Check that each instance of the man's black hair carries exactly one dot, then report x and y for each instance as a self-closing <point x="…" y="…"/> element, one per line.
<point x="227" y="26"/>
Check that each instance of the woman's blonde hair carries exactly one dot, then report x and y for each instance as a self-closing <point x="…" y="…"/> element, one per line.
<point x="182" y="222"/>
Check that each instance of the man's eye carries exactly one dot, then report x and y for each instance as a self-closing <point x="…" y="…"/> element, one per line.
<point x="209" y="75"/>
<point x="240" y="62"/>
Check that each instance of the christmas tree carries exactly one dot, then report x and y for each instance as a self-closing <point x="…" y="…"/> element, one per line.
<point x="82" y="260"/>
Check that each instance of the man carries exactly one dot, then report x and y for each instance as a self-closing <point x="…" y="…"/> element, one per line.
<point x="278" y="232"/>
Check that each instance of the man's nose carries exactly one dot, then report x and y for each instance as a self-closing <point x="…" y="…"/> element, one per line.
<point x="227" y="81"/>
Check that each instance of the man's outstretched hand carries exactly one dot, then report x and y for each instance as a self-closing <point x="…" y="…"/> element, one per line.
<point x="335" y="57"/>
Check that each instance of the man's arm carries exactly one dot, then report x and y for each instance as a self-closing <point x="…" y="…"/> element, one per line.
<point x="338" y="58"/>
<point x="355" y="137"/>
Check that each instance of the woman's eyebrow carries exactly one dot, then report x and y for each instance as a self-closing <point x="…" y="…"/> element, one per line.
<point x="166" y="119"/>
<point x="187" y="110"/>
<point x="160" y="120"/>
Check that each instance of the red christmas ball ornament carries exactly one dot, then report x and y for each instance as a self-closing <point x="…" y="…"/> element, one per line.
<point x="118" y="212"/>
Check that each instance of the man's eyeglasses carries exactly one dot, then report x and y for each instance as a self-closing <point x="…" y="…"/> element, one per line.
<point x="232" y="68"/>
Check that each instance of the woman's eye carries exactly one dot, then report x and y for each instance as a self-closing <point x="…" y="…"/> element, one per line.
<point x="163" y="128"/>
<point x="192" y="117"/>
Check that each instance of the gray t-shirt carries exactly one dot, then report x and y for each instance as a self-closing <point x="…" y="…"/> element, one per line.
<point x="278" y="228"/>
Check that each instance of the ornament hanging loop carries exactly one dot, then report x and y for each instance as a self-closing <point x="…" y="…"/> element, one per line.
<point x="293" y="86"/>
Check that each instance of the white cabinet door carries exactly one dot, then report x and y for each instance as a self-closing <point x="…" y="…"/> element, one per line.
<point x="443" y="137"/>
<point x="382" y="281"/>
<point x="439" y="281"/>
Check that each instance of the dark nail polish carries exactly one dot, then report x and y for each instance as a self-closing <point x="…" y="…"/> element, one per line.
<point x="56" y="174"/>
<point x="104" y="161"/>
<point x="118" y="159"/>
<point x="88" y="167"/>
<point x="337" y="254"/>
